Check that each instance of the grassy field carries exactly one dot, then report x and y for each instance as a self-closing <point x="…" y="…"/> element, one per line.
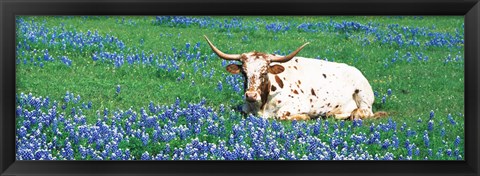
<point x="131" y="88"/>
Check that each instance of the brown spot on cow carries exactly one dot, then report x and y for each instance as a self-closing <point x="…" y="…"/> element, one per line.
<point x="324" y="76"/>
<point x="312" y="106"/>
<point x="313" y="92"/>
<point x="311" y="100"/>
<point x="279" y="101"/>
<point x="336" y="106"/>
<point x="296" y="60"/>
<point x="299" y="82"/>
<point x="279" y="81"/>
<point x="243" y="57"/>
<point x="273" y="88"/>
<point x="356" y="91"/>
<point x="295" y="67"/>
<point x="285" y="116"/>
<point x="295" y="91"/>
<point x="259" y="54"/>
<point x="264" y="93"/>
<point x="301" y="90"/>
<point x="328" y="104"/>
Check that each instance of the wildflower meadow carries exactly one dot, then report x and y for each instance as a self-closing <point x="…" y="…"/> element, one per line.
<point x="150" y="88"/>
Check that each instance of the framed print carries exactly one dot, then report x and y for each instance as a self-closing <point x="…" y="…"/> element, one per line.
<point x="152" y="88"/>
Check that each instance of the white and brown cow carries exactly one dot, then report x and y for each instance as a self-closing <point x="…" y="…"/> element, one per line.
<point x="289" y="87"/>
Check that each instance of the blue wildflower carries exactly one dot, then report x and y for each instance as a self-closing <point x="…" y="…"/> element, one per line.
<point x="426" y="139"/>
<point x="457" y="141"/>
<point x="430" y="125"/>
<point x="450" y="118"/>
<point x="145" y="156"/>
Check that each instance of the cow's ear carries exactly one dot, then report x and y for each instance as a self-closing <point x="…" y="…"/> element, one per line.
<point x="233" y="68"/>
<point x="276" y="69"/>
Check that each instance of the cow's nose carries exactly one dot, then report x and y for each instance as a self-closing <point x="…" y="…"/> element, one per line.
<point x="251" y="96"/>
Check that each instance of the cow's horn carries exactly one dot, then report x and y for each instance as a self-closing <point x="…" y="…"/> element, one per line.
<point x="221" y="54"/>
<point x="288" y="57"/>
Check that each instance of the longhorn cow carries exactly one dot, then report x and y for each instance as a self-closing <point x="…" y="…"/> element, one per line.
<point x="297" y="88"/>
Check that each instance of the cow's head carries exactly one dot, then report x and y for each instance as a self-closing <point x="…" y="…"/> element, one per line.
<point x="255" y="67"/>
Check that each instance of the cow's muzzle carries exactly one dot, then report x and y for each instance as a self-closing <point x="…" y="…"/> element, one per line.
<point x="251" y="96"/>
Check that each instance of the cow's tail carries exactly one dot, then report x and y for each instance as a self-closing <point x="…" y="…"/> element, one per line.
<point x="380" y="114"/>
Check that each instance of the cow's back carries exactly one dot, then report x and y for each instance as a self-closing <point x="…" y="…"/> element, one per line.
<point x="315" y="87"/>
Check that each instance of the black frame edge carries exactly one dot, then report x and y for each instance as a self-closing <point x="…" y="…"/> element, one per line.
<point x="7" y="132"/>
<point x="472" y="43"/>
<point x="8" y="165"/>
<point x="7" y="124"/>
<point x="243" y="7"/>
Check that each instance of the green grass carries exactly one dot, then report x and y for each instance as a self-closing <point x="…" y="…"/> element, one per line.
<point x="418" y="86"/>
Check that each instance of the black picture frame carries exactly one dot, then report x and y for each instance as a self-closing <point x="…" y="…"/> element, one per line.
<point x="470" y="9"/>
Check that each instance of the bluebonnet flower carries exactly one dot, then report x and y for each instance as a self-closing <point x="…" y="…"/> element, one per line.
<point x="430" y="125"/>
<point x="94" y="57"/>
<point x="449" y="152"/>
<point x="459" y="157"/>
<point x="395" y="141"/>
<point x="440" y="152"/>
<point x="145" y="156"/>
<point x="432" y="114"/>
<point x="426" y="139"/>
<point x="66" y="61"/>
<point x="456" y="152"/>
<point x="389" y="92"/>
<point x="152" y="108"/>
<point x="457" y="141"/>
<point x="417" y="151"/>
<point x="118" y="89"/>
<point x="450" y="118"/>
<point x="386" y="144"/>
<point x="145" y="138"/>
<point x="67" y="152"/>
<point x="407" y="143"/>
<point x="219" y="86"/>
<point x="419" y="120"/>
<point x="357" y="123"/>
<point x="19" y="111"/>
<point x="67" y="97"/>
